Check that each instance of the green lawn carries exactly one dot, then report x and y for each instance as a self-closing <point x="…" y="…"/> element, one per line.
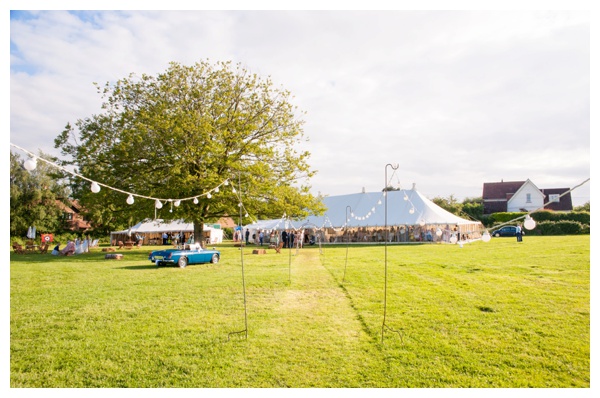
<point x="497" y="314"/>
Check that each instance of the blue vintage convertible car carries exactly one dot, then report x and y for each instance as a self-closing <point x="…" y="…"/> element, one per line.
<point x="183" y="257"/>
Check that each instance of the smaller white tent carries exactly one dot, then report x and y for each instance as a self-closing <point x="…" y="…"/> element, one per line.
<point x="158" y="227"/>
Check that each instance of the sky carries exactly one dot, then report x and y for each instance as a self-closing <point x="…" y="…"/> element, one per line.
<point x="455" y="97"/>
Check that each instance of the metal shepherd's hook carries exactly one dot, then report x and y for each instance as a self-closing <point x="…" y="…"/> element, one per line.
<point x="383" y="325"/>
<point x="245" y="331"/>
<point x="347" y="241"/>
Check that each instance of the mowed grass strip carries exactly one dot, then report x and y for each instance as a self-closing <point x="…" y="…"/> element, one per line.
<point x="497" y="314"/>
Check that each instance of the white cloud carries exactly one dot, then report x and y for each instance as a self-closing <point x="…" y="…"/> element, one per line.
<point x="456" y="98"/>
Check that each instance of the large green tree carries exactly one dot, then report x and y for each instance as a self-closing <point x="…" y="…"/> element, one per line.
<point x="33" y="197"/>
<point x="180" y="134"/>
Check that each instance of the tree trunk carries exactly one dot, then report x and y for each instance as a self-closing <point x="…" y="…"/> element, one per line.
<point x="199" y="233"/>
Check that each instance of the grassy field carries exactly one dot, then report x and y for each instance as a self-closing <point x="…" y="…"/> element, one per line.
<point x="497" y="314"/>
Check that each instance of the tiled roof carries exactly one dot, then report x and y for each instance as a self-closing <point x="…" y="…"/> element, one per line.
<point x="565" y="203"/>
<point x="500" y="190"/>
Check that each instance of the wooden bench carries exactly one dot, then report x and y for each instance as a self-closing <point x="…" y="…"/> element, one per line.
<point x="259" y="251"/>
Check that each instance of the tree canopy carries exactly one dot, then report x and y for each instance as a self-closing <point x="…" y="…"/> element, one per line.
<point x="180" y="134"/>
<point x="33" y="197"/>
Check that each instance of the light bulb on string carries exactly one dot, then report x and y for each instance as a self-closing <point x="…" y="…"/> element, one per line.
<point x="208" y="195"/>
<point x="422" y="223"/>
<point x="30" y="164"/>
<point x="217" y="189"/>
<point x="486" y="236"/>
<point x="529" y="223"/>
<point x="195" y="201"/>
<point x="95" y="188"/>
<point x="226" y="182"/>
<point x="412" y="210"/>
<point x="130" y="199"/>
<point x="158" y="204"/>
<point x="177" y="203"/>
<point x="405" y="197"/>
<point x="233" y="190"/>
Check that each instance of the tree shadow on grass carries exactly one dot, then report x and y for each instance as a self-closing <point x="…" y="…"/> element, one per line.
<point x="137" y="267"/>
<point x="48" y="258"/>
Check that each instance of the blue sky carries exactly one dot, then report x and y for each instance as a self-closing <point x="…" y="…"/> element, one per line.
<point x="457" y="98"/>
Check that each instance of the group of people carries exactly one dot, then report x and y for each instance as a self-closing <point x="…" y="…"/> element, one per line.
<point x="177" y="238"/>
<point x="289" y="239"/>
<point x="77" y="246"/>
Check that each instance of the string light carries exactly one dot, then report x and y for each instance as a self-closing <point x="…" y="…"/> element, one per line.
<point x="95" y="188"/>
<point x="486" y="236"/>
<point x="31" y="163"/>
<point x="158" y="204"/>
<point x="529" y="222"/>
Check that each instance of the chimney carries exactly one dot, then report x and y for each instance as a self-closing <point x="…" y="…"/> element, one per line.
<point x="414" y="188"/>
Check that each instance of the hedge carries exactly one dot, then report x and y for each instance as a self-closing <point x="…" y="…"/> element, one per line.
<point x="561" y="228"/>
<point x="582" y="217"/>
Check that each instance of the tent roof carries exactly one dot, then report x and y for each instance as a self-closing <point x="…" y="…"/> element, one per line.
<point x="160" y="226"/>
<point x="367" y="209"/>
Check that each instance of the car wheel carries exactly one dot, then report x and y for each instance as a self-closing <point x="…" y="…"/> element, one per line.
<point x="215" y="258"/>
<point x="497" y="235"/>
<point x="182" y="262"/>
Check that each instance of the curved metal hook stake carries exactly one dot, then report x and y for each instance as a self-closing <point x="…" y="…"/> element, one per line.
<point x="243" y="276"/>
<point x="347" y="242"/>
<point x="383" y="325"/>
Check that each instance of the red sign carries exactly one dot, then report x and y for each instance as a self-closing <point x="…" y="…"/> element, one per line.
<point x="47" y="238"/>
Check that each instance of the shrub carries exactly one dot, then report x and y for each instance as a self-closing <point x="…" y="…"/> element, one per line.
<point x="560" y="228"/>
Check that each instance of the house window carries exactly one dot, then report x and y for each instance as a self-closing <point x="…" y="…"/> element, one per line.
<point x="554" y="198"/>
<point x="528" y="198"/>
<point x="68" y="216"/>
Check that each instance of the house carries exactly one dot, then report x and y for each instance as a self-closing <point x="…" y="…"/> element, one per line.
<point x="519" y="196"/>
<point x="73" y="216"/>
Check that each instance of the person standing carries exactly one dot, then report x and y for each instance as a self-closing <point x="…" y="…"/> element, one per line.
<point x="247" y="235"/>
<point x="165" y="238"/>
<point x="284" y="238"/>
<point x="261" y="237"/>
<point x="519" y="233"/>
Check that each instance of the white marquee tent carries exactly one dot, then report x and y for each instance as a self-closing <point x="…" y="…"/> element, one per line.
<point x="406" y="210"/>
<point x="404" y="207"/>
